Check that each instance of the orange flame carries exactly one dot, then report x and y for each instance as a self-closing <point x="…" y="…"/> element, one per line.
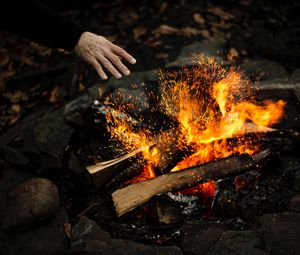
<point x="210" y="104"/>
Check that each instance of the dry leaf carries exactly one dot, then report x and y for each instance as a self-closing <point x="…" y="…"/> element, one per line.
<point x="138" y="32"/>
<point x="81" y="86"/>
<point x="190" y="31"/>
<point x="4" y="57"/>
<point x="232" y="54"/>
<point x="42" y="50"/>
<point x="15" y="97"/>
<point x="68" y="229"/>
<point x="152" y="42"/>
<point x="221" y="13"/>
<point x="166" y="30"/>
<point x="163" y="7"/>
<point x="54" y="95"/>
<point x="16" y="108"/>
<point x="198" y="19"/>
<point x="8" y="74"/>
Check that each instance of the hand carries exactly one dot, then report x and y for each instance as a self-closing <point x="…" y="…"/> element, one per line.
<point x="101" y="53"/>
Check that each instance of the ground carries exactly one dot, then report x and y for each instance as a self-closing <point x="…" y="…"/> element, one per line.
<point x="45" y="91"/>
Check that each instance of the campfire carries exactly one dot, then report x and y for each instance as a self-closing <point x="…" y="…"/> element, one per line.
<point x="206" y="125"/>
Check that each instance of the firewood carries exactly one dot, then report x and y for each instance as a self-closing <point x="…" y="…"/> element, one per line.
<point x="128" y="198"/>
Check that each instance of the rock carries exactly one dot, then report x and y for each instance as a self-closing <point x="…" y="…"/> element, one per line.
<point x="295" y="77"/>
<point x="45" y="140"/>
<point x="133" y="79"/>
<point x="270" y="70"/>
<point x="244" y="242"/>
<point x="13" y="156"/>
<point x="215" y="241"/>
<point x="212" y="49"/>
<point x="297" y="182"/>
<point x="9" y="179"/>
<point x="29" y="203"/>
<point x="47" y="239"/>
<point x="295" y="204"/>
<point x="73" y="110"/>
<point x="198" y="242"/>
<point x="88" y="238"/>
<point x="281" y="233"/>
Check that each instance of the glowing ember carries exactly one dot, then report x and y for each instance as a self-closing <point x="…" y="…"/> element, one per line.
<point x="213" y="108"/>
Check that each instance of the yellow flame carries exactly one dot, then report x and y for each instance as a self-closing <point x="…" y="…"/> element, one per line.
<point x="210" y="104"/>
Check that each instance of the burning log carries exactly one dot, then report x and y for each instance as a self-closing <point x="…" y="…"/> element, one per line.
<point x="130" y="197"/>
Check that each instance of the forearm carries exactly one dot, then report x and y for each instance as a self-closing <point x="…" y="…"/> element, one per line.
<point x="38" y="23"/>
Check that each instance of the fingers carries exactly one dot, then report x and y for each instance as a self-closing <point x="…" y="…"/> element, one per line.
<point x="118" y="64"/>
<point x="108" y="65"/>
<point x="99" y="70"/>
<point x="123" y="54"/>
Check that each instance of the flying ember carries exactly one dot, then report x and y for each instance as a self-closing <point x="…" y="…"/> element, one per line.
<point x="211" y="110"/>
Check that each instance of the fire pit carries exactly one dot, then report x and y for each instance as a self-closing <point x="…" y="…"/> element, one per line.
<point x="200" y="159"/>
<point x="203" y="145"/>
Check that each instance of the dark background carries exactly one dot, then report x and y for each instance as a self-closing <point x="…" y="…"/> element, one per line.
<point x="152" y="31"/>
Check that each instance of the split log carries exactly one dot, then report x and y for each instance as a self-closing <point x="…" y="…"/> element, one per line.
<point x="166" y="143"/>
<point x="132" y="196"/>
<point x="103" y="172"/>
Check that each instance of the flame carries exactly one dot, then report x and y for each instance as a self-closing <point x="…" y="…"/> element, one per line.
<point x="213" y="108"/>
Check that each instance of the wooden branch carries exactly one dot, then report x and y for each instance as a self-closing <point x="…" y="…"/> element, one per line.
<point x="103" y="172"/>
<point x="132" y="196"/>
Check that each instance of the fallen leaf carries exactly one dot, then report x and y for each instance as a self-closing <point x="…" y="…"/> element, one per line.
<point x="54" y="95"/>
<point x="217" y="11"/>
<point x="42" y="50"/>
<point x="16" y="97"/>
<point x="68" y="229"/>
<point x="138" y="32"/>
<point x="4" y="57"/>
<point x="7" y="74"/>
<point x="190" y="31"/>
<point x="165" y="30"/>
<point x="16" y="108"/>
<point x="81" y="86"/>
<point x="152" y="42"/>
<point x="198" y="19"/>
<point x="27" y="60"/>
<point x="163" y="7"/>
<point x="232" y="54"/>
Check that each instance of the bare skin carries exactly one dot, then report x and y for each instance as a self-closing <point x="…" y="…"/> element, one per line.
<point x="103" y="55"/>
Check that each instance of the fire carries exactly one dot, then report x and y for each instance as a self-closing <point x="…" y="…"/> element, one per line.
<point x="212" y="108"/>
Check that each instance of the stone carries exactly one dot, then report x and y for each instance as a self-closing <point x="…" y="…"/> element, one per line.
<point x="281" y="233"/>
<point x="297" y="182"/>
<point x="10" y="178"/>
<point x="13" y="156"/>
<point x="212" y="49"/>
<point x="45" y="140"/>
<point x="295" y="77"/>
<point x="80" y="104"/>
<point x="88" y="238"/>
<point x="295" y="204"/>
<point x="133" y="79"/>
<point x="48" y="238"/>
<point x="199" y="241"/>
<point x="215" y="241"/>
<point x="243" y="242"/>
<point x="271" y="70"/>
<point x="31" y="202"/>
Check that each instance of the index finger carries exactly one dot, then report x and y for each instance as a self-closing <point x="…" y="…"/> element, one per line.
<point x="123" y="54"/>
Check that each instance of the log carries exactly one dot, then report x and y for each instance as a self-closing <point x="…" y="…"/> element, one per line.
<point x="166" y="142"/>
<point x="103" y="172"/>
<point x="128" y="198"/>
